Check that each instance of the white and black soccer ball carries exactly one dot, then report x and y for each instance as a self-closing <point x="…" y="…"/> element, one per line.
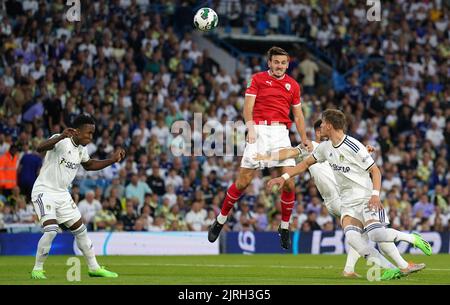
<point x="206" y="19"/>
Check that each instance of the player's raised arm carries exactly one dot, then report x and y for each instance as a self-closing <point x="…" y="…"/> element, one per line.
<point x="93" y="165"/>
<point x="249" y="103"/>
<point x="279" y="155"/>
<point x="291" y="172"/>
<point x="50" y="143"/>
<point x="299" y="119"/>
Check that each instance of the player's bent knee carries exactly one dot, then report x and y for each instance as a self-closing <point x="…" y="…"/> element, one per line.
<point x="243" y="182"/>
<point x="81" y="229"/>
<point x="354" y="239"/>
<point x="377" y="232"/>
<point x="241" y="186"/>
<point x="49" y="222"/>
<point x="74" y="224"/>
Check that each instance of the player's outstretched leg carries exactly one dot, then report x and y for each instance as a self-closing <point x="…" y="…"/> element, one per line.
<point x="364" y="249"/>
<point x="389" y="249"/>
<point x="378" y="233"/>
<point x="84" y="243"/>
<point x="43" y="249"/>
<point x="233" y="195"/>
<point x="287" y="204"/>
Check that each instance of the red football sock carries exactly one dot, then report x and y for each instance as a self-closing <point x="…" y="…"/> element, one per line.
<point x="287" y="204"/>
<point x="232" y="196"/>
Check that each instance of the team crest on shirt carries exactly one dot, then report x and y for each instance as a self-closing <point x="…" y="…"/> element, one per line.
<point x="341" y="158"/>
<point x="48" y="207"/>
<point x="288" y="86"/>
<point x="80" y="153"/>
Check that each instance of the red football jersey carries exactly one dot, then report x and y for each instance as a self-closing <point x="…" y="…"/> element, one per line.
<point x="274" y="97"/>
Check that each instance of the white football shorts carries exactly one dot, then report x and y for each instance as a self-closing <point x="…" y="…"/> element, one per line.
<point x="269" y="138"/>
<point x="59" y="206"/>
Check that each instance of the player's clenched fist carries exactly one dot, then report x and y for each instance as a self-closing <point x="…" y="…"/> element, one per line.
<point x="275" y="184"/>
<point x="308" y="145"/>
<point x="69" y="132"/>
<point x="119" y="155"/>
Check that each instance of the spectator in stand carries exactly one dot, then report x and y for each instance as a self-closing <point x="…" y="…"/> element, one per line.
<point x="136" y="81"/>
<point x="105" y="220"/>
<point x="195" y="218"/>
<point x="89" y="207"/>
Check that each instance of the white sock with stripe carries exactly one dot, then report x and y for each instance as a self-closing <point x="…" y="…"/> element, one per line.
<point x="354" y="237"/>
<point x="395" y="236"/>
<point x="221" y="218"/>
<point x="84" y="243"/>
<point x="44" y="245"/>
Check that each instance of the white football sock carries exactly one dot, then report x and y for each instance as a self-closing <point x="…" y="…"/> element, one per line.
<point x="389" y="249"/>
<point x="284" y="225"/>
<point x="378" y="233"/>
<point x="395" y="236"/>
<point x="355" y="240"/>
<point x="352" y="259"/>
<point x="221" y="219"/>
<point x="85" y="245"/>
<point x="44" y="245"/>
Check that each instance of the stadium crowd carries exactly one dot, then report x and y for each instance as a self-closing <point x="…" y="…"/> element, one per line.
<point x="136" y="74"/>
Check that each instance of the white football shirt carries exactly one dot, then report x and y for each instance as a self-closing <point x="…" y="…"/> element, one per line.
<point x="350" y="162"/>
<point x="60" y="166"/>
<point x="322" y="174"/>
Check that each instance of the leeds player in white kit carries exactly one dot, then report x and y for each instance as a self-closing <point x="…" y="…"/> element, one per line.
<point x="361" y="208"/>
<point x="51" y="198"/>
<point x="326" y="184"/>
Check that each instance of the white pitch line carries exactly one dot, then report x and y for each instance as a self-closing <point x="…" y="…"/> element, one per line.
<point x="249" y="266"/>
<point x="229" y="266"/>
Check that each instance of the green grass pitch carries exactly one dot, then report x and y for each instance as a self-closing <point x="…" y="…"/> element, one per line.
<point x="222" y="269"/>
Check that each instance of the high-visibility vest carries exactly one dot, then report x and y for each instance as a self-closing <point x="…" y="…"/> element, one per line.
<point x="8" y="170"/>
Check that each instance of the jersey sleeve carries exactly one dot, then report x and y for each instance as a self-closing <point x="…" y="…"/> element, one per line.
<point x="297" y="101"/>
<point x="58" y="145"/>
<point x="320" y="153"/>
<point x="363" y="158"/>
<point x="252" y="86"/>
<point x="85" y="155"/>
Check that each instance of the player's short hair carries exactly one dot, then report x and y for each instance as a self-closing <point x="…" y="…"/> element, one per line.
<point x="273" y="51"/>
<point x="335" y="117"/>
<point x="83" y="119"/>
<point x="317" y="124"/>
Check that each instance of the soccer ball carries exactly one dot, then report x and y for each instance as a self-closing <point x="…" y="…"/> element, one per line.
<point x="206" y="19"/>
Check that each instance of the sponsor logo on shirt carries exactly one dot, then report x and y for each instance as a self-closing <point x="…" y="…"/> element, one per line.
<point x="339" y="168"/>
<point x="269" y="82"/>
<point x="69" y="164"/>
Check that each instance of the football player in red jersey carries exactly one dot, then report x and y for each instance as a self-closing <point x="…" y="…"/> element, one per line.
<point x="269" y="97"/>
